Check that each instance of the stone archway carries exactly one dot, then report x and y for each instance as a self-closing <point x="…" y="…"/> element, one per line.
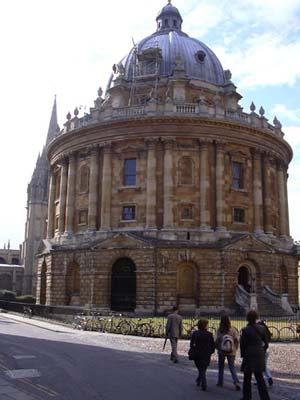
<point x="244" y="278"/>
<point x="73" y="284"/>
<point x="123" y="285"/>
<point x="187" y="286"/>
<point x="43" y="291"/>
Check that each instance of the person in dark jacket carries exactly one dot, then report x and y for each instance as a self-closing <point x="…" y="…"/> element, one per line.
<point x="253" y="345"/>
<point x="203" y="343"/>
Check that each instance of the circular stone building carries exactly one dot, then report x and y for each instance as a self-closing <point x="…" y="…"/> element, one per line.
<point x="167" y="192"/>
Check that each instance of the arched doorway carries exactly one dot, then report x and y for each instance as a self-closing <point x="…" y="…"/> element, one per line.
<point x="73" y="284"/>
<point x="123" y="285"/>
<point x="43" y="290"/>
<point x="187" y="286"/>
<point x="244" y="278"/>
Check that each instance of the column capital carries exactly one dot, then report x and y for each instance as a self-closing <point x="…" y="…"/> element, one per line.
<point x="220" y="145"/>
<point x="92" y="148"/>
<point x="204" y="143"/>
<point x="151" y="142"/>
<point x="257" y="152"/>
<point x="281" y="165"/>
<point x="168" y="142"/>
<point x="106" y="146"/>
<point x="62" y="160"/>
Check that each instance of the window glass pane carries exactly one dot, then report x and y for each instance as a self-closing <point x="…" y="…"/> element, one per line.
<point x="239" y="215"/>
<point x="130" y="172"/>
<point x="128" y="213"/>
<point x="237" y="175"/>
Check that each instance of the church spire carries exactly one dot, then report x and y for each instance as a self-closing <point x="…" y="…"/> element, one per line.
<point x="53" y="125"/>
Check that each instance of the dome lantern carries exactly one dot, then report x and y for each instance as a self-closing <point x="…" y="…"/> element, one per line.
<point x="169" y="19"/>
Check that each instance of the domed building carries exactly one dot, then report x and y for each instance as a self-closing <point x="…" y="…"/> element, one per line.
<point x="167" y="192"/>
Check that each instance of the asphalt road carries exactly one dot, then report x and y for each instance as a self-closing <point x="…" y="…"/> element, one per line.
<point x="50" y="362"/>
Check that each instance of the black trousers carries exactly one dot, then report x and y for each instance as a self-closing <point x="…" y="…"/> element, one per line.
<point x="261" y="386"/>
<point x="201" y="373"/>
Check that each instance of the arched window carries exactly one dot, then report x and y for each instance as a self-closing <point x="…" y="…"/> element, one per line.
<point x="244" y="278"/>
<point x="2" y="260"/>
<point x="15" y="261"/>
<point x="186" y="171"/>
<point x="84" y="176"/>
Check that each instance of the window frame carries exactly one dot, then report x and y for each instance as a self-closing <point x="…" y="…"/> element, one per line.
<point x="237" y="182"/>
<point x="128" y="176"/>
<point x="241" y="210"/>
<point x="128" y="206"/>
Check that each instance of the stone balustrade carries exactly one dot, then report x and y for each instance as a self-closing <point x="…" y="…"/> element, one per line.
<point x="106" y="113"/>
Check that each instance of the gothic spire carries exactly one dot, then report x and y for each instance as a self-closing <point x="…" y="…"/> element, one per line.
<point x="53" y="125"/>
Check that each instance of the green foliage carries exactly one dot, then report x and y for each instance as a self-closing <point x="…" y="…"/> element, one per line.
<point x="7" y="295"/>
<point x="27" y="298"/>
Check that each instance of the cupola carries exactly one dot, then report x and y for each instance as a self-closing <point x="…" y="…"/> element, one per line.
<point x="169" y="19"/>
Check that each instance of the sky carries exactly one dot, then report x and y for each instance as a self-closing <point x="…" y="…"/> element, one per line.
<point x="67" y="48"/>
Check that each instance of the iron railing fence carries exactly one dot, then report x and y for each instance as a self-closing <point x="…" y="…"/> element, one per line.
<point x="285" y="328"/>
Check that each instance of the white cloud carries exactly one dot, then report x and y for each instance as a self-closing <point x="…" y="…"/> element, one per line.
<point x="281" y="110"/>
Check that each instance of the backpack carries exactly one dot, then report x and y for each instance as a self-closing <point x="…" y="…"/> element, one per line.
<point x="227" y="344"/>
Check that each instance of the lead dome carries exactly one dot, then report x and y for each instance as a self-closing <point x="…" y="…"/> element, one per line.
<point x="170" y="46"/>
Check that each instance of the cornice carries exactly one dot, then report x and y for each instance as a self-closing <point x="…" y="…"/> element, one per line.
<point x="125" y="129"/>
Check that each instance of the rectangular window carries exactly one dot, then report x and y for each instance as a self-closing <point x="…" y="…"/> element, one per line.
<point x="237" y="175"/>
<point x="128" y="213"/>
<point x="239" y="215"/>
<point x="130" y="172"/>
<point x="187" y="212"/>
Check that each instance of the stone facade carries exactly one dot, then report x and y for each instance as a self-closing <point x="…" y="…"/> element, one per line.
<point x="177" y="194"/>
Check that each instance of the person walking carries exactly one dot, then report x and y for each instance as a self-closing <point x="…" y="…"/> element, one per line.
<point x="202" y="346"/>
<point x="174" y="331"/>
<point x="227" y="343"/>
<point x="267" y="373"/>
<point x="253" y="344"/>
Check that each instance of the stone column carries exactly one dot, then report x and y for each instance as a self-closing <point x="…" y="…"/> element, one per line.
<point x="204" y="188"/>
<point x="286" y="176"/>
<point x="93" y="189"/>
<point x="257" y="192"/>
<point x="151" y="185"/>
<point x="106" y="188"/>
<point x="220" y="204"/>
<point x="267" y="195"/>
<point x="283" y="229"/>
<point x="51" y="198"/>
<point x="62" y="195"/>
<point x="70" y="201"/>
<point x="168" y="184"/>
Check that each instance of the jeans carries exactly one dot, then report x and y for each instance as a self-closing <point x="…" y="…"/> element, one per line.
<point x="268" y="374"/>
<point x="221" y="363"/>
<point x="261" y="386"/>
